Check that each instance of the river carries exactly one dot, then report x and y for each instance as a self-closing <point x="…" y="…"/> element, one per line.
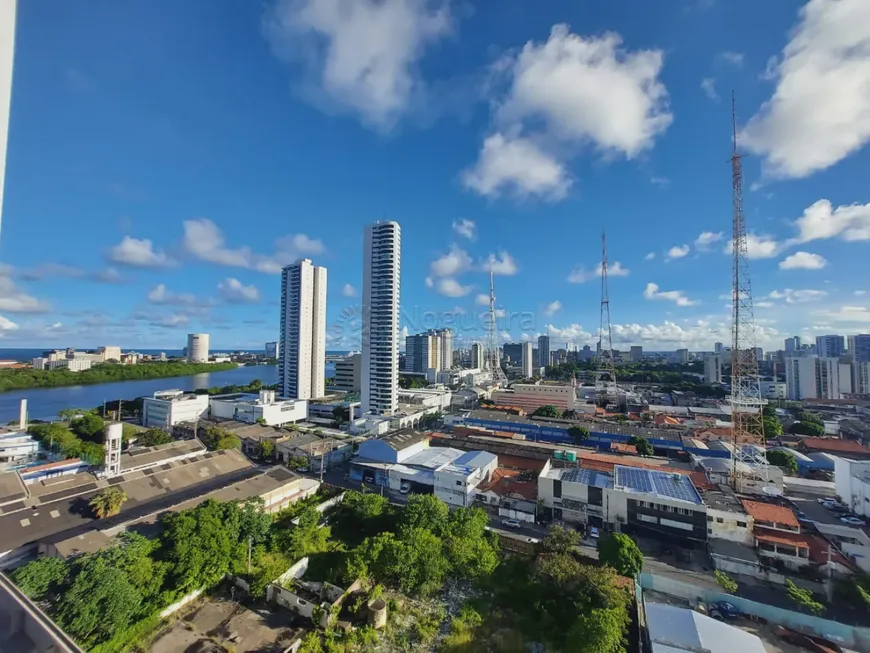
<point x="44" y="403"/>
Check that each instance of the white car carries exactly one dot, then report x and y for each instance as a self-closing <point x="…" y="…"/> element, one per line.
<point x="511" y="523"/>
<point x="593" y="532"/>
<point x="404" y="488"/>
<point x="853" y="521"/>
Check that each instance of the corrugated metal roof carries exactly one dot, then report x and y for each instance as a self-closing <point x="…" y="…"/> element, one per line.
<point x="672" y="628"/>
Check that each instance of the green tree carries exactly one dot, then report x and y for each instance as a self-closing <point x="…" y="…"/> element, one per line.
<point x="56" y="438"/>
<point x="644" y="448"/>
<point x="69" y="414"/>
<point x="92" y="453"/>
<point x="560" y="540"/>
<point x="41" y="577"/>
<point x="548" y="411"/>
<point x="425" y="511"/>
<point x="297" y="462"/>
<point x="128" y="432"/>
<point x="261" y="421"/>
<point x="620" y="552"/>
<point x="217" y="439"/>
<point x="307" y="537"/>
<point x="266" y="449"/>
<point x="807" y="428"/>
<point x="429" y="420"/>
<point x="725" y="581"/>
<point x="772" y="427"/>
<point x="802" y="597"/>
<point x="471" y="550"/>
<point x="578" y="434"/>
<point x="88" y="427"/>
<point x="153" y="438"/>
<point x="108" y="502"/>
<point x="783" y="459"/>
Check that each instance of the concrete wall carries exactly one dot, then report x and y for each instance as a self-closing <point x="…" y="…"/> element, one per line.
<point x="728" y="528"/>
<point x="24" y="628"/>
<point x="855" y="637"/>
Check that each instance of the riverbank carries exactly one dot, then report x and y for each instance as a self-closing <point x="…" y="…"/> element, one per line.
<point x="105" y="373"/>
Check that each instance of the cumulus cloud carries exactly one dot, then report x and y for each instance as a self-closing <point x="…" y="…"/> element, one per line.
<point x="14" y="300"/>
<point x="677" y="251"/>
<point x="501" y="263"/>
<point x="650" y="256"/>
<point x="204" y="240"/>
<point x="859" y="314"/>
<point x="465" y="228"/>
<point x="553" y="307"/>
<point x="732" y="58"/>
<point x="677" y="296"/>
<point x="615" y="269"/>
<point x="482" y="300"/>
<point x="707" y="238"/>
<point x="235" y="292"/>
<point x="452" y="263"/>
<point x="792" y="296"/>
<point x="359" y="57"/>
<point x="160" y="295"/>
<point x="757" y="246"/>
<point x="138" y="252"/>
<point x="821" y="221"/>
<point x="570" y="92"/>
<point x="803" y="261"/>
<point x="819" y="112"/>
<point x="451" y="288"/>
<point x="348" y="291"/>
<point x="708" y="85"/>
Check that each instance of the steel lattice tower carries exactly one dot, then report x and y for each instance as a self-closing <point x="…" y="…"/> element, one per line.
<point x="746" y="400"/>
<point x="605" y="378"/>
<point x="492" y="358"/>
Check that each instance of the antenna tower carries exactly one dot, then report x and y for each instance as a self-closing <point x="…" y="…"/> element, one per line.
<point x="493" y="363"/>
<point x="749" y="463"/>
<point x="605" y="377"/>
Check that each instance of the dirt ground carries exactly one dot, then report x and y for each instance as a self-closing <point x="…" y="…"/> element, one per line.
<point x="228" y="623"/>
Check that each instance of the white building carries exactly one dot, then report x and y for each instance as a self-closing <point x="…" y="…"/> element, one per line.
<point x="528" y="360"/>
<point x="110" y="353"/>
<point x="72" y="364"/>
<point x="170" y="407"/>
<point x="712" y="369"/>
<point x="347" y="373"/>
<point x="852" y="483"/>
<point x="249" y="408"/>
<point x="861" y="378"/>
<point x="477" y="356"/>
<point x="302" y="366"/>
<point x="811" y="377"/>
<point x="380" y="328"/>
<point x="197" y="347"/>
<point x="7" y="52"/>
<point x="773" y="389"/>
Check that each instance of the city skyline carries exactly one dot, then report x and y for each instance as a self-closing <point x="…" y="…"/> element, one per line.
<point x="152" y="182"/>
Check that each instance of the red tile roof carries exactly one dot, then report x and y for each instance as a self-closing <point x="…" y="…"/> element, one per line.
<point x="835" y="444"/>
<point x="771" y="513"/>
<point x="775" y="537"/>
<point x="504" y="482"/>
<point x="818" y="547"/>
<point x="623" y="448"/>
<point x="699" y="480"/>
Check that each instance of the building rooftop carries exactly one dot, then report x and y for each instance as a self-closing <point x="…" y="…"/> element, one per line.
<point x="722" y="497"/>
<point x="674" y="486"/>
<point x="770" y="512"/>
<point x="733" y="550"/>
<point x="434" y="457"/>
<point x="673" y="629"/>
<point x="144" y="456"/>
<point x="835" y="444"/>
<point x="511" y="483"/>
<point x="404" y="439"/>
<point x="11" y="488"/>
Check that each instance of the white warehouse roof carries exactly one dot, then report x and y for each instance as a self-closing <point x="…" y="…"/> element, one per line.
<point x="674" y="629"/>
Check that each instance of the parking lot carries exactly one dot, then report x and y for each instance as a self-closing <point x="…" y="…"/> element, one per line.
<point x="815" y="511"/>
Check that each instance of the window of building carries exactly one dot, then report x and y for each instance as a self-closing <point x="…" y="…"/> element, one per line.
<point x="458" y="482"/>
<point x="741" y="524"/>
<point x="719" y="520"/>
<point x="709" y="518"/>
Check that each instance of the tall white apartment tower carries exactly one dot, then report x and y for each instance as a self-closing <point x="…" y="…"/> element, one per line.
<point x="197" y="347"/>
<point x="302" y="348"/>
<point x="382" y="264"/>
<point x="7" y="54"/>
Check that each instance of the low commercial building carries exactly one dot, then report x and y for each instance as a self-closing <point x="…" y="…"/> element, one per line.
<point x="264" y="408"/>
<point x="170" y="407"/>
<point x="531" y="396"/>
<point x="321" y="451"/>
<point x="71" y="364"/>
<point x="438" y="398"/>
<point x="17" y="449"/>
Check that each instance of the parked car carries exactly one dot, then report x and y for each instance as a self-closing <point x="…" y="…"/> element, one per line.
<point x="853" y="521"/>
<point x="511" y="523"/>
<point x="404" y="488"/>
<point x="724" y="611"/>
<point x="593" y="532"/>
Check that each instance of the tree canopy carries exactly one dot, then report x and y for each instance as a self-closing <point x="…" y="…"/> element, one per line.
<point x="560" y="540"/>
<point x="108" y="502"/>
<point x="644" y="448"/>
<point x="548" y="411"/>
<point x="89" y="427"/>
<point x="216" y="438"/>
<point x="619" y="551"/>
<point x="783" y="459"/>
<point x="153" y="437"/>
<point x="578" y="434"/>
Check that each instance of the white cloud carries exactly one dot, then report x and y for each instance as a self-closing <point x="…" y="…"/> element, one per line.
<point x="516" y="166"/>
<point x="139" y="253"/>
<point x="572" y="333"/>
<point x="552" y="307"/>
<point x="15" y="300"/>
<point x="860" y="314"/>
<point x="661" y="182"/>
<point x="708" y="85"/>
<point x="678" y="251"/>
<point x="650" y="256"/>
<point x="482" y="300"/>
<point x="764" y="304"/>
<point x="733" y="58"/>
<point x="204" y="240"/>
<point x="757" y="246"/>
<point x="160" y="295"/>
<point x="615" y="269"/>
<point x="170" y="321"/>
<point x="707" y="238"/>
<point x="562" y="95"/>
<point x="7" y="325"/>
<point x="451" y="288"/>
<point x="859" y="293"/>
<point x="452" y="263"/>
<point x="235" y="292"/>
<point x="803" y="261"/>
<point x="348" y="291"/>
<point x="792" y="296"/>
<point x="430" y="282"/>
<point x="465" y="228"/>
<point x="501" y="263"/>
<point x="359" y="56"/>
<point x="677" y="296"/>
<point x="820" y="110"/>
<point x="821" y="221"/>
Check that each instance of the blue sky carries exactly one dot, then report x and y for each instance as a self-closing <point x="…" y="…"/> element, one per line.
<point x="166" y="158"/>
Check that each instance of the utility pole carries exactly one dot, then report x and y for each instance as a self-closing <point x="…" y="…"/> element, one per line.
<point x="249" y="555"/>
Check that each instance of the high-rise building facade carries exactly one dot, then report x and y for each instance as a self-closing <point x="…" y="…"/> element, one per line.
<point x="197" y="347"/>
<point x="636" y="353"/>
<point x="302" y="347"/>
<point x="347" y="373"/>
<point x="859" y="347"/>
<point x="681" y="356"/>
<point x="791" y="347"/>
<point x="7" y="56"/>
<point x="445" y="345"/>
<point x="422" y="353"/>
<point x="830" y="346"/>
<point x="717" y="347"/>
<point x="528" y="360"/>
<point x="861" y="378"/>
<point x="477" y="356"/>
<point x="543" y="351"/>
<point x="513" y="351"/>
<point x="272" y="350"/>
<point x="811" y="377"/>
<point x="712" y="368"/>
<point x="382" y="260"/>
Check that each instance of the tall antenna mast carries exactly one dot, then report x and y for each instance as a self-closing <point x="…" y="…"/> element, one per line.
<point x="749" y="462"/>
<point x="605" y="381"/>
<point x="493" y="363"/>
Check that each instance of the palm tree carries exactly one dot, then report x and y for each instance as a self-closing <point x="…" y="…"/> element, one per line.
<point x="108" y="502"/>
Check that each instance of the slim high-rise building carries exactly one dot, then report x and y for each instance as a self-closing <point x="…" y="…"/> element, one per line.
<point x="422" y="353"/>
<point x="636" y="353"/>
<point x="528" y="360"/>
<point x="477" y="356"/>
<point x="197" y="347"/>
<point x="7" y="55"/>
<point x="830" y="346"/>
<point x="445" y="346"/>
<point x="302" y="347"/>
<point x="791" y="347"/>
<point x="811" y="377"/>
<point x="712" y="368"/>
<point x="272" y="350"/>
<point x="717" y="347"/>
<point x="382" y="262"/>
<point x="859" y="347"/>
<point x="543" y="351"/>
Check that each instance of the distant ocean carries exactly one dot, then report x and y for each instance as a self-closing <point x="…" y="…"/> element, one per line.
<point x="25" y="355"/>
